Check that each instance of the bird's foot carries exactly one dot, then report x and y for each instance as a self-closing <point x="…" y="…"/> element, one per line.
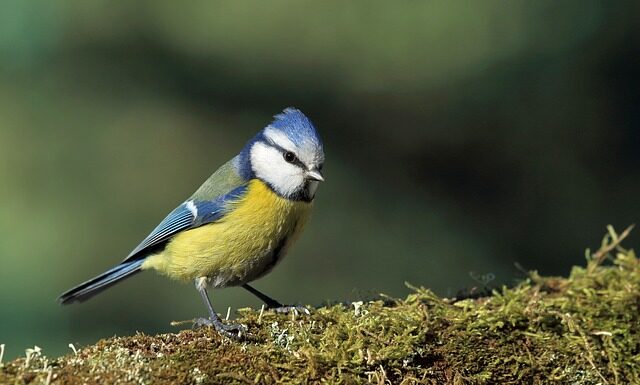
<point x="233" y="331"/>
<point x="288" y="309"/>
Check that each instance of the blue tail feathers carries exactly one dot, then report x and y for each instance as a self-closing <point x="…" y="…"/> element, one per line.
<point x="105" y="280"/>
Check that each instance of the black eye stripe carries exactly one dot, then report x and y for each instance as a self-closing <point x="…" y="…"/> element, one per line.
<point x="284" y="152"/>
<point x="294" y="161"/>
<point x="277" y="147"/>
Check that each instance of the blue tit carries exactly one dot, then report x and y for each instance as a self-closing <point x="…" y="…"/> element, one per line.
<point x="238" y="225"/>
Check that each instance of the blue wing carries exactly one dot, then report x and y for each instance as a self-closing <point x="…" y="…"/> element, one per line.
<point x="189" y="215"/>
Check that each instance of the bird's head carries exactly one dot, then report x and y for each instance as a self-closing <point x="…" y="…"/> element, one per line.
<point x="287" y="155"/>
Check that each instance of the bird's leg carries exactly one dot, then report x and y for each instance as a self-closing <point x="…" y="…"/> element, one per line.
<point x="270" y="302"/>
<point x="232" y="330"/>
<point x="273" y="304"/>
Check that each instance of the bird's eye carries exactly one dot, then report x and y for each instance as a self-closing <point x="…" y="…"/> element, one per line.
<point x="289" y="156"/>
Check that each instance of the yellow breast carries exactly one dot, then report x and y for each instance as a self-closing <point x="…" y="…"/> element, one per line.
<point x="242" y="246"/>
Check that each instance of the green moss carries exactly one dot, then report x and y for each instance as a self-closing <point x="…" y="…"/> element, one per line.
<point x="584" y="329"/>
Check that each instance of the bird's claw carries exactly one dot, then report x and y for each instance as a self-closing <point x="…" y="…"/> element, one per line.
<point x="234" y="331"/>
<point x="201" y="322"/>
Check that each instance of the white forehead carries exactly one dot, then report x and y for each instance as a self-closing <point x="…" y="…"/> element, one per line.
<point x="308" y="151"/>
<point x="280" y="138"/>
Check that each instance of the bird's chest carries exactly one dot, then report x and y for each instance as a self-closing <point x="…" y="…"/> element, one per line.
<point x="249" y="240"/>
<point x="264" y="223"/>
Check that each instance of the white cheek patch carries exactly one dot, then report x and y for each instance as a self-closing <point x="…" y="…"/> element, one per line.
<point x="269" y="165"/>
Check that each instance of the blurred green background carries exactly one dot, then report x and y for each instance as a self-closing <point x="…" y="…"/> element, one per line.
<point x="462" y="138"/>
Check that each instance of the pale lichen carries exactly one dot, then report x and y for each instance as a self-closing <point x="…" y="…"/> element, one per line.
<point x="584" y="329"/>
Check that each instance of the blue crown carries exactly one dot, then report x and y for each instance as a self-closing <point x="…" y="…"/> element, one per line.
<point x="296" y="126"/>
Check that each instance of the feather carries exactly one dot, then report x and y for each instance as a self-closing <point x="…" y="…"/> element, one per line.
<point x="97" y="284"/>
<point x="191" y="214"/>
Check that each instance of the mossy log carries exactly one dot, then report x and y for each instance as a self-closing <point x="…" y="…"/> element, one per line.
<point x="584" y="329"/>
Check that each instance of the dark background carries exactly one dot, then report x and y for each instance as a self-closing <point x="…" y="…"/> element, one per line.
<point x="462" y="138"/>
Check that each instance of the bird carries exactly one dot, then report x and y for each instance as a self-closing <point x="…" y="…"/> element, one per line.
<point x="238" y="225"/>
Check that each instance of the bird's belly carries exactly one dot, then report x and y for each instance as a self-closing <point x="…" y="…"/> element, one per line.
<point x="242" y="246"/>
